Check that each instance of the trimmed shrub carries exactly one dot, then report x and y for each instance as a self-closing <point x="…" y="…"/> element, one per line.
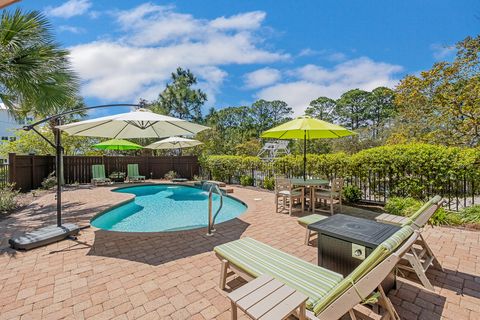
<point x="269" y="183"/>
<point x="8" y="198"/>
<point x="471" y="215"/>
<point x="408" y="170"/>
<point x="50" y="181"/>
<point x="170" y="175"/>
<point x="402" y="206"/>
<point x="246" y="181"/>
<point x="351" y="194"/>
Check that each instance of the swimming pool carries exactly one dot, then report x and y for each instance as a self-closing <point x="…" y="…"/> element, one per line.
<point x="166" y="207"/>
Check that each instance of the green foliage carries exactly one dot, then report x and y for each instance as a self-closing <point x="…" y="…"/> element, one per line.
<point x="269" y="183"/>
<point x="444" y="217"/>
<point x="248" y="148"/>
<point x="179" y="99"/>
<point x="35" y="73"/>
<point x="8" y="198"/>
<point x="441" y="104"/>
<point x="321" y="108"/>
<point x="402" y="206"/>
<point x="50" y="181"/>
<point x="470" y="215"/>
<point x="406" y="170"/>
<point x="407" y="206"/>
<point x="29" y="142"/>
<point x="246" y="181"/>
<point x="170" y="175"/>
<point x="351" y="194"/>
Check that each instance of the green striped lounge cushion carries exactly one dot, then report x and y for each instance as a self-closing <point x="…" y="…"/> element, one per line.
<point x="312" y="218"/>
<point x="257" y="258"/>
<point x="378" y="255"/>
<point x="422" y="209"/>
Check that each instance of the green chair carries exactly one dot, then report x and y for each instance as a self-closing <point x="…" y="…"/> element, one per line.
<point x="330" y="295"/>
<point x="305" y="221"/>
<point x="98" y="175"/>
<point x="133" y="174"/>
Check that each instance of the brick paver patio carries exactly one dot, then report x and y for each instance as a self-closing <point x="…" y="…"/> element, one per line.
<point x="175" y="276"/>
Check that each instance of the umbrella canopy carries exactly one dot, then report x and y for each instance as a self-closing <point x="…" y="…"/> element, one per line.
<point x="117" y="144"/>
<point x="307" y="128"/>
<point x="174" y="143"/>
<point x="136" y="124"/>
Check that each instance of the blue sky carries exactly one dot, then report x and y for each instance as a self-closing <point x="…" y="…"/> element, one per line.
<point x="244" y="50"/>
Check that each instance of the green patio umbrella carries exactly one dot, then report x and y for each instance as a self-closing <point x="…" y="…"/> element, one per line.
<point x="306" y="128"/>
<point x="117" y="144"/>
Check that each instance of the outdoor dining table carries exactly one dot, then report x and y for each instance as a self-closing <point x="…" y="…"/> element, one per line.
<point x="300" y="182"/>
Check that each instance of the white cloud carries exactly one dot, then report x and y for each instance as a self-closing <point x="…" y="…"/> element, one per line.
<point x="69" y="9"/>
<point x="311" y="81"/>
<point x="155" y="41"/>
<point x="246" y="21"/>
<point x="441" y="52"/>
<point x="261" y="78"/>
<point x="72" y="29"/>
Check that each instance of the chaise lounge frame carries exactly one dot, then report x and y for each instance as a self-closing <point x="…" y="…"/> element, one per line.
<point x="354" y="295"/>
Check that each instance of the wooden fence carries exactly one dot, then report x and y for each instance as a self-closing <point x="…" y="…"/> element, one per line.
<point x="28" y="171"/>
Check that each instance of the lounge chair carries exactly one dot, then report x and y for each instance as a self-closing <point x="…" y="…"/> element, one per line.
<point x="330" y="295"/>
<point x="132" y="173"/>
<point x="419" y="257"/>
<point x="98" y="175"/>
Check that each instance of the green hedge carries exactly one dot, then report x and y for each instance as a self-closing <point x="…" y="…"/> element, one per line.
<point x="406" y="170"/>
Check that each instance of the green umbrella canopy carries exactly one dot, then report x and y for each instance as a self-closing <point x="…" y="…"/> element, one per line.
<point x="117" y="144"/>
<point x="306" y="128"/>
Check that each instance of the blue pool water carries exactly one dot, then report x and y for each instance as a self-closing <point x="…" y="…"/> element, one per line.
<point x="166" y="208"/>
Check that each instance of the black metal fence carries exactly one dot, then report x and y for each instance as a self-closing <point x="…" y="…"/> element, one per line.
<point x="459" y="190"/>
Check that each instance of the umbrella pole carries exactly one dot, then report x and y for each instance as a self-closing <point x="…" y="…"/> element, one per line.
<point x="58" y="169"/>
<point x="304" y="155"/>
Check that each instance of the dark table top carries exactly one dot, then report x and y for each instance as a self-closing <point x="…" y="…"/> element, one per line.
<point x="356" y="230"/>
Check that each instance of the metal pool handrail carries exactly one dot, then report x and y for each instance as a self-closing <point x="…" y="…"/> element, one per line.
<point x="211" y="218"/>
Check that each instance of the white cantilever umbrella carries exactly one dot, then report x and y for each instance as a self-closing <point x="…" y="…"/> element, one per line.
<point x="136" y="124"/>
<point x="174" y="143"/>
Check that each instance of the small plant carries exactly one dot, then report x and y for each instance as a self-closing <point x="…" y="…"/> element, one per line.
<point x="444" y="217"/>
<point x="269" y="183"/>
<point x="117" y="175"/>
<point x="471" y="215"/>
<point x="50" y="181"/>
<point x="170" y="175"/>
<point x="402" y="206"/>
<point x="8" y="198"/>
<point x="246" y="181"/>
<point x="352" y="194"/>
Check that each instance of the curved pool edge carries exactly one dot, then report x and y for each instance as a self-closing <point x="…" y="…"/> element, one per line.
<point x="146" y="233"/>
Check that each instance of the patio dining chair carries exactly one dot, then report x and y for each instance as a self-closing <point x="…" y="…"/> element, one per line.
<point x="289" y="195"/>
<point x="332" y="195"/>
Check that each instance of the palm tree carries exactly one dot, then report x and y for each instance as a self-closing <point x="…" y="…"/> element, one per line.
<point x="35" y="74"/>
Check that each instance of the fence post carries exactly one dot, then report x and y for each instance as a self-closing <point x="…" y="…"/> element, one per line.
<point x="32" y="172"/>
<point x="11" y="168"/>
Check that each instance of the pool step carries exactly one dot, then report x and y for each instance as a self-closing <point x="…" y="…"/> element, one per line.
<point x="218" y="183"/>
<point x="227" y="190"/>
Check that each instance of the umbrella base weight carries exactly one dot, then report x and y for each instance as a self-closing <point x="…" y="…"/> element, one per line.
<point x="43" y="236"/>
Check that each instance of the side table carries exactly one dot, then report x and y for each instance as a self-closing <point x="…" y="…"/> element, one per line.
<point x="266" y="298"/>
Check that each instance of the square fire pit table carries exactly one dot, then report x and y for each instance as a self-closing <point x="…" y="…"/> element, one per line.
<point x="345" y="241"/>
